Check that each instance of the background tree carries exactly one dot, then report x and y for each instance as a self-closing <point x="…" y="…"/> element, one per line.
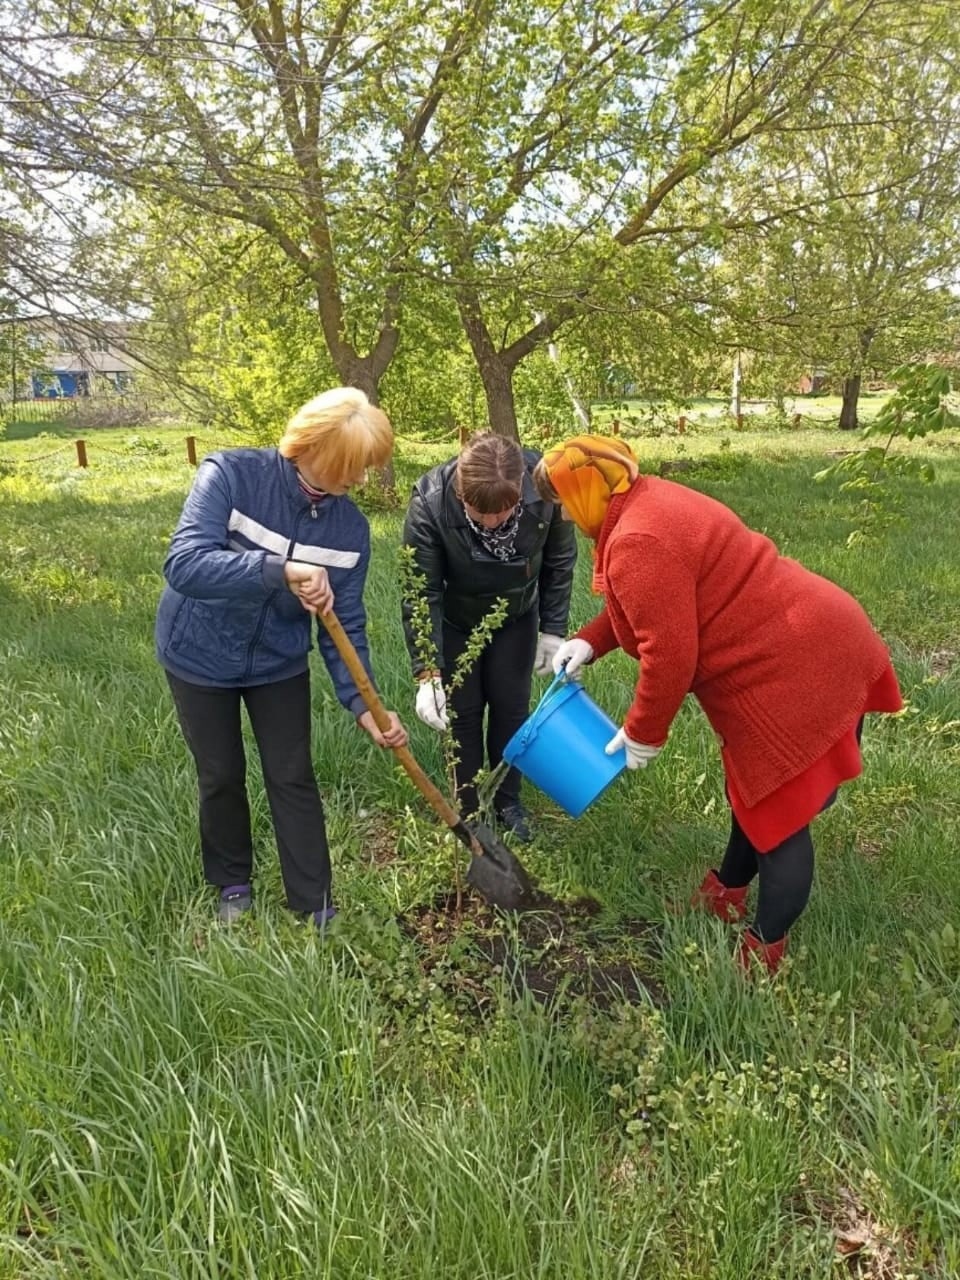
<point x="304" y="125"/>
<point x="622" y="116"/>
<point x="513" y="159"/>
<point x="850" y="262"/>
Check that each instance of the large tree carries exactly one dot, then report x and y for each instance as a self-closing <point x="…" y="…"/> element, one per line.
<point x="847" y="259"/>
<point x="607" y="129"/>
<point x="372" y="144"/>
<point x="304" y="123"/>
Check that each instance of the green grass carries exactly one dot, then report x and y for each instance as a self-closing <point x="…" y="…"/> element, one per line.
<point x="712" y="413"/>
<point x="179" y="1102"/>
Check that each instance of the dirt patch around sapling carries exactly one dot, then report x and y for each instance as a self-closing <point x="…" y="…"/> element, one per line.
<point x="555" y="953"/>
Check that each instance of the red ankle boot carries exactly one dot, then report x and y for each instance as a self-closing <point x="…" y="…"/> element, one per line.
<point x="714" y="896"/>
<point x="752" y="951"/>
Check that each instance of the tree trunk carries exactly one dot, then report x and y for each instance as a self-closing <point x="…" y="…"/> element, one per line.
<point x="495" y="368"/>
<point x="848" y="409"/>
<point x="851" y="383"/>
<point x="356" y="372"/>
<point x="735" y="388"/>
<point x="497" y="377"/>
<point x="363" y="373"/>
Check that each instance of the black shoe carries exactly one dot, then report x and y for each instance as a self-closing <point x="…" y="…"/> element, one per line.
<point x="323" y="918"/>
<point x="235" y="901"/>
<point x="515" y="819"/>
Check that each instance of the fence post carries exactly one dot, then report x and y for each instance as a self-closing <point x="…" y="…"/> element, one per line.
<point x="796" y="421"/>
<point x="615" y="426"/>
<point x="681" y="425"/>
<point x="81" y="453"/>
<point x="192" y="450"/>
<point x="739" y="421"/>
<point x="464" y="435"/>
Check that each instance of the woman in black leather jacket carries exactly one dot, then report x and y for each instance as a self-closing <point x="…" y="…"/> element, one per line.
<point x="479" y="531"/>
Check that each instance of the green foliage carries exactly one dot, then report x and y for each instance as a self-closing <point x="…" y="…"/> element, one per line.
<point x="146" y="445"/>
<point x="919" y="405"/>
<point x="233" y="329"/>
<point x="543" y="387"/>
<point x="375" y="494"/>
<point x="929" y="974"/>
<point x="448" y="190"/>
<point x="432" y="386"/>
<point x="627" y="1045"/>
<point x="874" y="474"/>
<point x="725" y="464"/>
<point x="413" y="594"/>
<point x="844" y="242"/>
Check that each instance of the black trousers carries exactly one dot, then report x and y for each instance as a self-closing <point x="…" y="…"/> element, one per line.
<point x="280" y="716"/>
<point x="498" y="684"/>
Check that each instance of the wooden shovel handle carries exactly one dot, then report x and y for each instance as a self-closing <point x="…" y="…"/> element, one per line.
<point x="431" y="793"/>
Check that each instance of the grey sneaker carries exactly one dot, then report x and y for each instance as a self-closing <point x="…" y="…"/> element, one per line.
<point x="235" y="901"/>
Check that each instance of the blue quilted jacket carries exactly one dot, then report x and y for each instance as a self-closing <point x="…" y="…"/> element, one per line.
<point x="226" y="617"/>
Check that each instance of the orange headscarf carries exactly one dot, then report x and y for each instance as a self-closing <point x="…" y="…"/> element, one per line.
<point x="586" y="471"/>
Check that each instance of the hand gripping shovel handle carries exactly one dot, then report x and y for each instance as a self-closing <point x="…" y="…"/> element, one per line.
<point x="431" y="793"/>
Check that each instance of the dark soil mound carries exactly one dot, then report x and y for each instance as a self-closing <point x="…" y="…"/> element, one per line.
<point x="558" y="952"/>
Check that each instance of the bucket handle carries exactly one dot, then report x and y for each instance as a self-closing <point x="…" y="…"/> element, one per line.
<point x="536" y="716"/>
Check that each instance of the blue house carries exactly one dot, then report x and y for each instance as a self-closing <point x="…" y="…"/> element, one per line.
<point x="60" y="383"/>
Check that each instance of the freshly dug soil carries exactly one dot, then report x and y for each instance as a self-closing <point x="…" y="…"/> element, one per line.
<point x="557" y="952"/>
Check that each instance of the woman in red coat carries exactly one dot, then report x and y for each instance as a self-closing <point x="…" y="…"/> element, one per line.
<point x="784" y="663"/>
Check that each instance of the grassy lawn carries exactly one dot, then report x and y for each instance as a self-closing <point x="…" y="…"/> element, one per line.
<point x="180" y="1101"/>
<point x="710" y="413"/>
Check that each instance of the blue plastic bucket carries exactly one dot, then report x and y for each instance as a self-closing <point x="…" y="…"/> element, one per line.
<point x="560" y="747"/>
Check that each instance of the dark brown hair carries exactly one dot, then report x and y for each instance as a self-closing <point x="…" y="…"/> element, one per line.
<point x="542" y="483"/>
<point x="490" y="473"/>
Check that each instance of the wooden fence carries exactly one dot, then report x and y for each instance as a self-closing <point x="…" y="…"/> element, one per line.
<point x="85" y="448"/>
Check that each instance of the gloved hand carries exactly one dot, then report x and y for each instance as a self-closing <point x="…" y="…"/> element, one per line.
<point x="432" y="703"/>
<point x="639" y="754"/>
<point x="570" y="657"/>
<point x="547" y="646"/>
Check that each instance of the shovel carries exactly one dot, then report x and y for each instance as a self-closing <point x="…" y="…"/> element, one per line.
<point x="494" y="871"/>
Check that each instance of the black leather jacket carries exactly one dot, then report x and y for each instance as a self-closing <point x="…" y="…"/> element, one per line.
<point x="463" y="581"/>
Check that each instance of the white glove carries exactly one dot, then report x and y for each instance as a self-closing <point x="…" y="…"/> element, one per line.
<point x="547" y="646"/>
<point x="571" y="656"/>
<point x="639" y="754"/>
<point x="432" y="704"/>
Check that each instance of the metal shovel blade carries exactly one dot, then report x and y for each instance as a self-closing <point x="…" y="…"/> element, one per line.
<point x="496" y="873"/>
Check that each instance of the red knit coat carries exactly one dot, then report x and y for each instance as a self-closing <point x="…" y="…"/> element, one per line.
<point x="780" y="659"/>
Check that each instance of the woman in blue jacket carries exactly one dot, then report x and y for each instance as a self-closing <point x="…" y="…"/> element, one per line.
<point x="266" y="540"/>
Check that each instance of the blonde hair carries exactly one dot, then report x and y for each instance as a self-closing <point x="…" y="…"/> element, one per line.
<point x="342" y="431"/>
<point x="490" y="473"/>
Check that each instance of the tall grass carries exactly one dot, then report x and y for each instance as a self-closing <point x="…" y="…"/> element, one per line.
<point x="177" y="1101"/>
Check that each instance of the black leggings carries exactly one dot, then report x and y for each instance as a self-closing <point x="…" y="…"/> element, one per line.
<point x="786" y="876"/>
<point x="497" y="684"/>
<point x="786" y="873"/>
